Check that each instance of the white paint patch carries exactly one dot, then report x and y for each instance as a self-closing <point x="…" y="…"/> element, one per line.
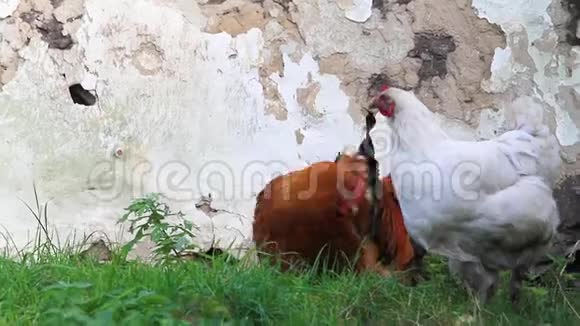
<point x="567" y="131"/>
<point x="491" y="123"/>
<point x="89" y="82"/>
<point x="509" y="14"/>
<point x="322" y="24"/>
<point x="197" y="125"/>
<point x="323" y="137"/>
<point x="356" y="10"/>
<point x="504" y="70"/>
<point x="7" y="7"/>
<point x="532" y="15"/>
<point x="501" y="71"/>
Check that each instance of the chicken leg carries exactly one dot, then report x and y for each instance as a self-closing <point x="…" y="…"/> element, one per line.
<point x="518" y="276"/>
<point x="478" y="279"/>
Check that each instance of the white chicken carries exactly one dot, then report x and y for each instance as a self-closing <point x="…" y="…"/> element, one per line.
<point x="486" y="205"/>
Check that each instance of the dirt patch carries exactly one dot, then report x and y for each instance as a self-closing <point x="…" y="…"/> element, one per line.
<point x="234" y="20"/>
<point x="306" y="98"/>
<point x="52" y="33"/>
<point x="274" y="102"/>
<point x="433" y="50"/>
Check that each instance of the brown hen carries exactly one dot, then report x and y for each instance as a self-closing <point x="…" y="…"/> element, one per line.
<point x="323" y="211"/>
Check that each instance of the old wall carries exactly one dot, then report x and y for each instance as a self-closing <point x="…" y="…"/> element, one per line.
<point x="212" y="96"/>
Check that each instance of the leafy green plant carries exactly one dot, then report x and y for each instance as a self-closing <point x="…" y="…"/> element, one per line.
<point x="148" y="216"/>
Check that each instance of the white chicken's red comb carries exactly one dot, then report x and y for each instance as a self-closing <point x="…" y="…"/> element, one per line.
<point x="384" y="88"/>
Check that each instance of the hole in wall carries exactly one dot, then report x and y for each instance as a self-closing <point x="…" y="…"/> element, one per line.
<point x="79" y="95"/>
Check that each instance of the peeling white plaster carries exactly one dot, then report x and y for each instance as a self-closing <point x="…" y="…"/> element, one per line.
<point x="509" y="14"/>
<point x="567" y="131"/>
<point x="532" y="15"/>
<point x="323" y="26"/>
<point x="504" y="70"/>
<point x="491" y="123"/>
<point x="90" y="82"/>
<point x="356" y="10"/>
<point x="322" y="136"/>
<point x="7" y="7"/>
<point x="180" y="127"/>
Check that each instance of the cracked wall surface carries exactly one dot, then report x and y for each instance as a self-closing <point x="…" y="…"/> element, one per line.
<point x="105" y="100"/>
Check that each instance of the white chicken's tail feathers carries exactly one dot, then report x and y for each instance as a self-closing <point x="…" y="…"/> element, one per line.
<point x="525" y="213"/>
<point x="528" y="115"/>
<point x="531" y="147"/>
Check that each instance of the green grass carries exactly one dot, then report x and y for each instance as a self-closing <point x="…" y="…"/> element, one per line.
<point x="53" y="285"/>
<point x="58" y="290"/>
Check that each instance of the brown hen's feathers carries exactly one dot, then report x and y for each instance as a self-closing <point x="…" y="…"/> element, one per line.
<point x="298" y="212"/>
<point x="398" y="243"/>
<point x="298" y="215"/>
